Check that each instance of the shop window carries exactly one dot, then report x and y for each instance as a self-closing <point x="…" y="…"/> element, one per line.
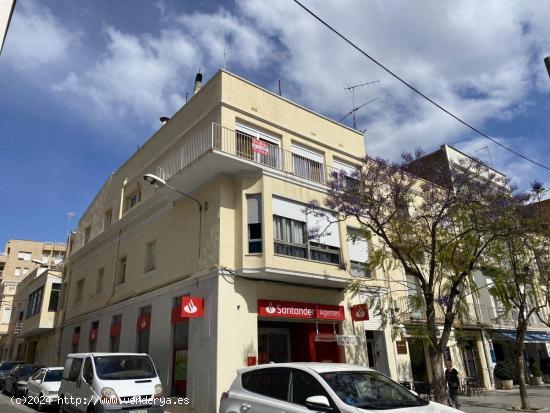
<point x="92" y="342"/>
<point x="34" y="302"/>
<point x="114" y="334"/>
<point x="54" y="297"/>
<point x="99" y="280"/>
<point x="144" y="327"/>
<point x="121" y="271"/>
<point x="75" y="340"/>
<point x="254" y="213"/>
<point x="79" y="293"/>
<point x="358" y="249"/>
<point x="272" y="382"/>
<point x="150" y="256"/>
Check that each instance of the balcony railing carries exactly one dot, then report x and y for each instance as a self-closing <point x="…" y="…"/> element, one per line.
<point x="220" y="139"/>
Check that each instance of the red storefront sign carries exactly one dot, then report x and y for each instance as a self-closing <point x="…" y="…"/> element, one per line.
<point x="192" y="307"/>
<point x="115" y="330"/>
<point x="260" y="146"/>
<point x="291" y="309"/>
<point x="143" y="322"/>
<point x="93" y="334"/>
<point x="76" y="338"/>
<point x="359" y="312"/>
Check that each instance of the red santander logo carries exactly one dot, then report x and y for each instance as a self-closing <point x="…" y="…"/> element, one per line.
<point x="192" y="307"/>
<point x="359" y="312"/>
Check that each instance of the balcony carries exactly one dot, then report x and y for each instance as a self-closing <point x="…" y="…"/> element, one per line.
<point x="224" y="150"/>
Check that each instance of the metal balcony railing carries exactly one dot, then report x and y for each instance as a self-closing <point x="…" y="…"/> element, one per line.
<point x="244" y="146"/>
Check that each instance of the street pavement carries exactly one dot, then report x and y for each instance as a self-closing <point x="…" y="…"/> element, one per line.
<point x="494" y="401"/>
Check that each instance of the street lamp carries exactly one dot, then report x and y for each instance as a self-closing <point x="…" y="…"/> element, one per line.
<point x="155" y="180"/>
<point x="547" y="63"/>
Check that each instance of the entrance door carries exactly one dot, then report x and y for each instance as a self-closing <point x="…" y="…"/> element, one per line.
<point x="179" y="359"/>
<point x="469" y="356"/>
<point x="273" y="345"/>
<point x="418" y="361"/>
<point x="371" y="351"/>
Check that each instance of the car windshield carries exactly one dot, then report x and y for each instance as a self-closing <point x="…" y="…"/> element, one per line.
<point x="24" y="371"/>
<point x="370" y="390"/>
<point x="53" y="375"/>
<point x="124" y="367"/>
<point x="6" y="366"/>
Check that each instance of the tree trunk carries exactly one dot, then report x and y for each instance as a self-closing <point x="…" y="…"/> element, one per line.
<point x="438" y="376"/>
<point x="520" y="365"/>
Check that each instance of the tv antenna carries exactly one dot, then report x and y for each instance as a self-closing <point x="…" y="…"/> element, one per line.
<point x="486" y="148"/>
<point x="355" y="109"/>
<point x="351" y="89"/>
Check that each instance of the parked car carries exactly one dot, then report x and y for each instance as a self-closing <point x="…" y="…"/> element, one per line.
<point x="5" y="368"/>
<point x="42" y="387"/>
<point x="103" y="382"/>
<point x="320" y="387"/>
<point x="16" y="381"/>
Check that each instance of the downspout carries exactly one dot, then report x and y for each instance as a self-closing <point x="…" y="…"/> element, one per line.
<point x="122" y="193"/>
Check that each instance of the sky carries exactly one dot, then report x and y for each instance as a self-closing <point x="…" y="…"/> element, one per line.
<point x="83" y="84"/>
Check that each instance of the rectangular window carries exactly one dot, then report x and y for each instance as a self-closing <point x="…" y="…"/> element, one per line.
<point x="25" y="271"/>
<point x="132" y="200"/>
<point x="17" y="270"/>
<point x="79" y="293"/>
<point x="6" y="313"/>
<point x="254" y="212"/>
<point x="75" y="342"/>
<point x="24" y="256"/>
<point x="121" y="271"/>
<point x="308" y="164"/>
<point x="114" y="339"/>
<point x="34" y="302"/>
<point x="54" y="297"/>
<point x="257" y="146"/>
<point x="99" y="280"/>
<point x="150" y="256"/>
<point x="144" y="333"/>
<point x="107" y="218"/>
<point x="349" y="171"/>
<point x="87" y="234"/>
<point x="92" y="342"/>
<point x="358" y="250"/>
<point x="290" y="237"/>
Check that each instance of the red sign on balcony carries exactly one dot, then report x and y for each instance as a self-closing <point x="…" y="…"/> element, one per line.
<point x="192" y="307"/>
<point x="291" y="309"/>
<point x="359" y="312"/>
<point x="260" y="146"/>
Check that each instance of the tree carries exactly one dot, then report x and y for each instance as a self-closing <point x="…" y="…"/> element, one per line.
<point x="436" y="232"/>
<point x="518" y="263"/>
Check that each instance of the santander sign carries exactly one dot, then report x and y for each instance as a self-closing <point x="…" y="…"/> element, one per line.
<point x="192" y="307"/>
<point x="292" y="309"/>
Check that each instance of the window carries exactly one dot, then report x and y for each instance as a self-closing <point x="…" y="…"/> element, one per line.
<point x="304" y="385"/>
<point x="270" y="382"/>
<point x="79" y="291"/>
<point x="358" y="249"/>
<point x="87" y="234"/>
<point x="132" y="200"/>
<point x="144" y="333"/>
<point x="25" y="271"/>
<point x="107" y="218"/>
<point x="254" y="212"/>
<point x="121" y="271"/>
<point x="24" y="256"/>
<point x="17" y="270"/>
<point x="290" y="237"/>
<point x="324" y="253"/>
<point x="99" y="280"/>
<point x="34" y="302"/>
<point x="92" y="343"/>
<point x="6" y="313"/>
<point x="308" y="164"/>
<point x="75" y="369"/>
<point x="150" y="256"/>
<point x="349" y="171"/>
<point x="114" y="339"/>
<point x="257" y="146"/>
<point x="54" y="297"/>
<point x="75" y="339"/>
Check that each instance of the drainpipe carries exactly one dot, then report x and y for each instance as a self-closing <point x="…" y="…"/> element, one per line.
<point x="122" y="190"/>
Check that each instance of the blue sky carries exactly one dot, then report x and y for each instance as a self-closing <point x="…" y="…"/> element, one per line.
<point x="82" y="84"/>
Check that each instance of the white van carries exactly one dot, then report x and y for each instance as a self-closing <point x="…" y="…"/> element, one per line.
<point x="110" y="382"/>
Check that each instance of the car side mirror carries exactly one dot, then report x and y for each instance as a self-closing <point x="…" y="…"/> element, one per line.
<point x="318" y="403"/>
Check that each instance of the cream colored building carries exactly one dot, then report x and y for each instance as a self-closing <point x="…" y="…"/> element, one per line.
<point x="33" y="331"/>
<point x="19" y="258"/>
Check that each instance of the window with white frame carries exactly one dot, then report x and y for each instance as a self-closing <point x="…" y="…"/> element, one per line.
<point x="358" y="249"/>
<point x="293" y="225"/>
<point x="24" y="256"/>
<point x="17" y="270"/>
<point x="254" y="221"/>
<point x="257" y="146"/>
<point x="308" y="163"/>
<point x="348" y="169"/>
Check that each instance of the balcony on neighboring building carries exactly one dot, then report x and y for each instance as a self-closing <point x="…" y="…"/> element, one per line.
<point x="223" y="150"/>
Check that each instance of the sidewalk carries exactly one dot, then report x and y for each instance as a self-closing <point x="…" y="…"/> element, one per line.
<point x="499" y="400"/>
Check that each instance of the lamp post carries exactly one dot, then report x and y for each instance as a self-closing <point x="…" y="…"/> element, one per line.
<point x="155" y="180"/>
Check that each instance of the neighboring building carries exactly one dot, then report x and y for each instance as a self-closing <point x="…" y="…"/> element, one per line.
<point x="489" y="332"/>
<point x="32" y="335"/>
<point x="6" y="12"/>
<point x="19" y="258"/>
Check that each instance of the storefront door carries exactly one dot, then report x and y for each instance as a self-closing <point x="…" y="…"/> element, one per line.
<point x="273" y="345"/>
<point x="179" y="359"/>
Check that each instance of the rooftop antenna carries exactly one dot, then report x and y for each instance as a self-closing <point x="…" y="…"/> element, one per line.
<point x="488" y="153"/>
<point x="351" y="89"/>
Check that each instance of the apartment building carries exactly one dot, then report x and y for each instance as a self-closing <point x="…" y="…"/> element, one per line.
<point x="490" y="330"/>
<point x="33" y="330"/>
<point x="20" y="257"/>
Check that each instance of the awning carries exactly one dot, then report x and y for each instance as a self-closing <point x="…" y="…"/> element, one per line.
<point x="530" y="337"/>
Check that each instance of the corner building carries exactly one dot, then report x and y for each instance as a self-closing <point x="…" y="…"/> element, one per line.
<point x="206" y="291"/>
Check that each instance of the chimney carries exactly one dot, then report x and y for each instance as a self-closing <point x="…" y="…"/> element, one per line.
<point x="198" y="82"/>
<point x="164" y="120"/>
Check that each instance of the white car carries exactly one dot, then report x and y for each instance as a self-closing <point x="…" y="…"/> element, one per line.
<point x="42" y="387"/>
<point x="320" y="387"/>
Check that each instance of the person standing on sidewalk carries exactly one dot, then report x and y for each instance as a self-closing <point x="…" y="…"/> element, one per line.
<point x="453" y="384"/>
